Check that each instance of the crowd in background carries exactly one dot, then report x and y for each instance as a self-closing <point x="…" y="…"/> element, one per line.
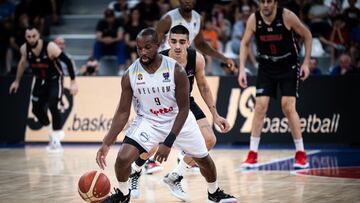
<point x="335" y="29"/>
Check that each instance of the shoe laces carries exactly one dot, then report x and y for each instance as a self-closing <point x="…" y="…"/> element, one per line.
<point x="177" y="183"/>
<point x="114" y="196"/>
<point x="220" y="193"/>
<point x="134" y="180"/>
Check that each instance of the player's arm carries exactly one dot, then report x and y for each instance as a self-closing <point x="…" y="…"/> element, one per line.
<point x="244" y="49"/>
<point x="163" y="27"/>
<point x="203" y="85"/>
<point x="122" y="112"/>
<point x="120" y="119"/>
<point x="293" y="22"/>
<point x="20" y="70"/>
<point x="206" y="93"/>
<point x="182" y="100"/>
<point x="55" y="53"/>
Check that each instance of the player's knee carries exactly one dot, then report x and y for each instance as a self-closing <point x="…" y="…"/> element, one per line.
<point x="210" y="141"/>
<point x="122" y="161"/>
<point x="287" y="108"/>
<point x="261" y="109"/>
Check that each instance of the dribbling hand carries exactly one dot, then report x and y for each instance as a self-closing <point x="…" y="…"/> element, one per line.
<point x="101" y="156"/>
<point x="162" y="153"/>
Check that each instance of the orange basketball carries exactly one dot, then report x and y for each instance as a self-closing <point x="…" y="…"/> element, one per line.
<point x="94" y="186"/>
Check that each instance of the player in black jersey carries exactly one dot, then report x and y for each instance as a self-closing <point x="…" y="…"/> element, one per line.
<point x="194" y="64"/>
<point x="274" y="30"/>
<point x="44" y="60"/>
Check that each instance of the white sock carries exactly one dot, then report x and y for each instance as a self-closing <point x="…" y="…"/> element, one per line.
<point x="124" y="187"/>
<point x="212" y="187"/>
<point x="254" y="143"/>
<point x="135" y="167"/>
<point x="180" y="168"/>
<point x="299" y="144"/>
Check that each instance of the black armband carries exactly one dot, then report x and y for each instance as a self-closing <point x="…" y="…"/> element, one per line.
<point x="170" y="139"/>
<point x="69" y="64"/>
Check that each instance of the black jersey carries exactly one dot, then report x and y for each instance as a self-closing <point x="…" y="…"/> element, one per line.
<point x="42" y="66"/>
<point x="190" y="67"/>
<point x="275" y="42"/>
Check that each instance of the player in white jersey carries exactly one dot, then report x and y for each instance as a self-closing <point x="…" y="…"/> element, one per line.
<point x="194" y="65"/>
<point x="186" y="16"/>
<point x="158" y="88"/>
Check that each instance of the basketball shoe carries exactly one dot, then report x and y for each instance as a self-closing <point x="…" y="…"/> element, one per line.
<point x="251" y="160"/>
<point x="173" y="181"/>
<point x="54" y="142"/>
<point x="301" y="161"/>
<point x="118" y="197"/>
<point x="135" y="184"/>
<point x="221" y="197"/>
<point x="152" y="167"/>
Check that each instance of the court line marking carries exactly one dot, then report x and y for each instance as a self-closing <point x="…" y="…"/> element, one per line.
<point x="295" y="172"/>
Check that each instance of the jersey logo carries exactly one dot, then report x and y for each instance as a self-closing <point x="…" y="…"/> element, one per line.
<point x="161" y="111"/>
<point x="166" y="76"/>
<point x="269" y="29"/>
<point x="144" y="137"/>
<point x="139" y="76"/>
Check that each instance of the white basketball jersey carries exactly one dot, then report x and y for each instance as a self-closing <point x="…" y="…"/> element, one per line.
<point x="154" y="94"/>
<point x="176" y="19"/>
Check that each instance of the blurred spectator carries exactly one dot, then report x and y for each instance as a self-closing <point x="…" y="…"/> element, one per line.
<point x="60" y="42"/>
<point x="335" y="8"/>
<point x="150" y="12"/>
<point x="37" y="13"/>
<point x="120" y="8"/>
<point x="313" y="67"/>
<point x="7" y="9"/>
<point x="352" y="15"/>
<point x="211" y="36"/>
<point x="109" y="39"/>
<point x="343" y="67"/>
<point x="236" y="6"/>
<point x="164" y="5"/>
<point x="319" y="18"/>
<point x="292" y="5"/>
<point x="340" y="36"/>
<point x="220" y="23"/>
<point x="132" y="28"/>
<point x="4" y="47"/>
<point x="91" y="67"/>
<point x="239" y="28"/>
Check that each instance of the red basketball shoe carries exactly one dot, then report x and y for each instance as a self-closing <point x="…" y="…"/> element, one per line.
<point x="301" y="161"/>
<point x="251" y="160"/>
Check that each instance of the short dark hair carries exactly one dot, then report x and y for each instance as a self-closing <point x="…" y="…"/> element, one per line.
<point x="179" y="29"/>
<point x="30" y="27"/>
<point x="149" y="32"/>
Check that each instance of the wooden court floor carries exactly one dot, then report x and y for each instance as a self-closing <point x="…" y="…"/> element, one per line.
<point x="30" y="174"/>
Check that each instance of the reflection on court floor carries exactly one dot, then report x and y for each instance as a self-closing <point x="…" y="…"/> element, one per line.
<point x="30" y="174"/>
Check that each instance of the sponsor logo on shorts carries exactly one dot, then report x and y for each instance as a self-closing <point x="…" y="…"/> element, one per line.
<point x="144" y="137"/>
<point x="259" y="91"/>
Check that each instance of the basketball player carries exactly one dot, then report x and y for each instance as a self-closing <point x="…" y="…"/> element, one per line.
<point x="274" y="29"/>
<point x="186" y="16"/>
<point x="158" y="87"/>
<point x="194" y="64"/>
<point x="44" y="60"/>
